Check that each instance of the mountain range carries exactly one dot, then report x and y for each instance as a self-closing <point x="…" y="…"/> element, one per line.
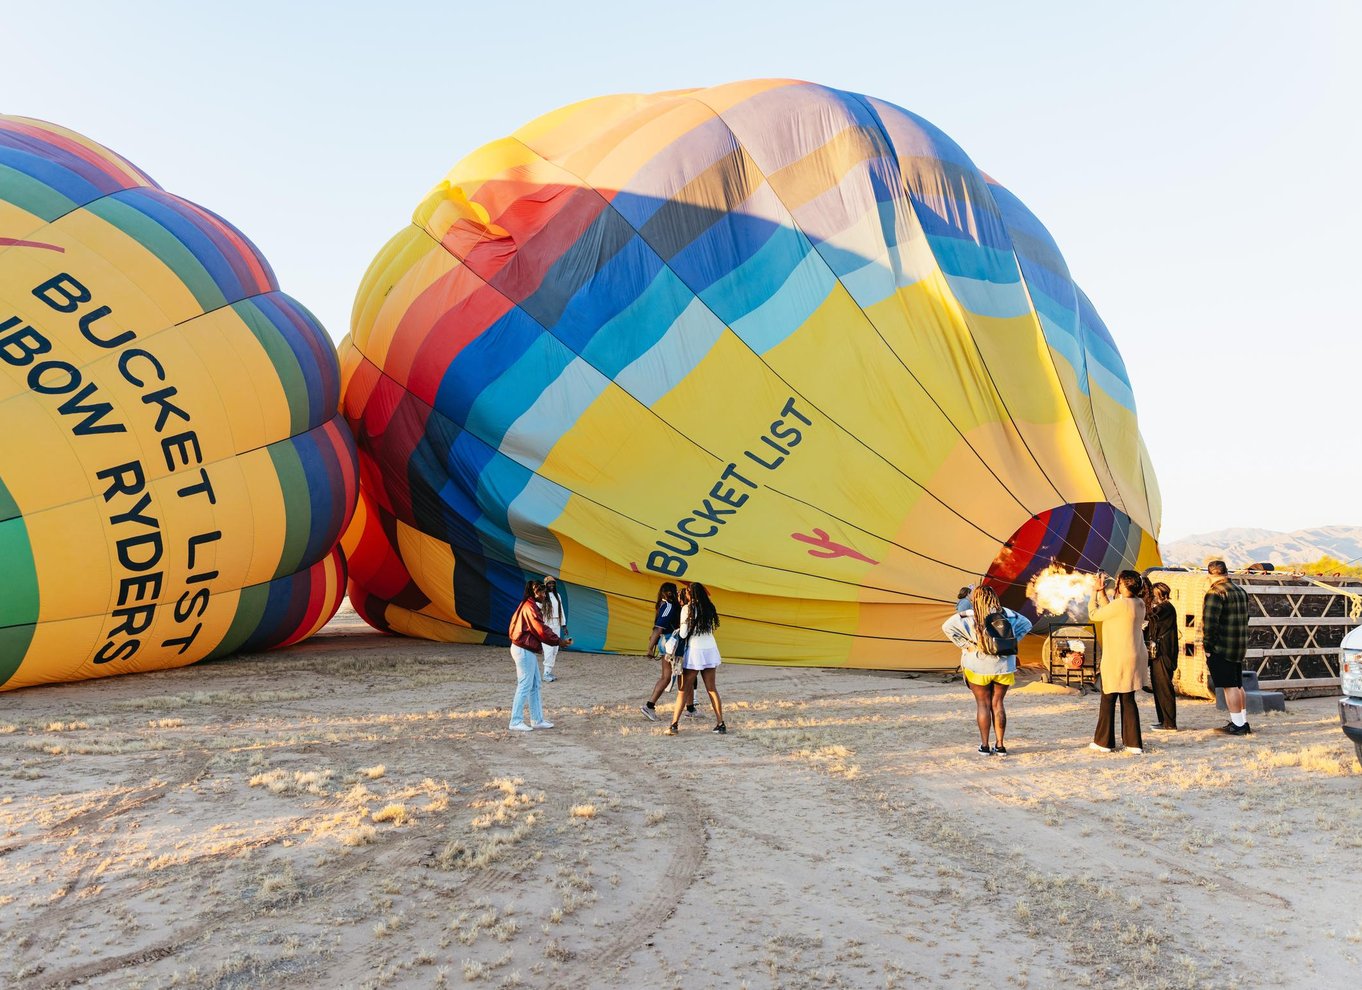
<point x="1241" y="547"/>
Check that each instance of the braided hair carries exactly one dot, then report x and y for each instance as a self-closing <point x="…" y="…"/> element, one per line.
<point x="985" y="602"/>
<point x="704" y="618"/>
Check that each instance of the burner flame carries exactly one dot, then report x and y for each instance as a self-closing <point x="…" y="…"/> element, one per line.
<point x="1058" y="591"/>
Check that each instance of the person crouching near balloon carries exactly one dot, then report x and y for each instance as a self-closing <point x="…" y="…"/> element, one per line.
<point x="663" y="642"/>
<point x="1124" y="659"/>
<point x="987" y="635"/>
<point x="528" y="634"/>
<point x="699" y="619"/>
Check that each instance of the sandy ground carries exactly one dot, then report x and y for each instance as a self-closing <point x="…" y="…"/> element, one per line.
<point x="353" y="813"/>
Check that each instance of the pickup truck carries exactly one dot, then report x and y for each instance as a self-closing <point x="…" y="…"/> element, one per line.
<point x="1350" y="679"/>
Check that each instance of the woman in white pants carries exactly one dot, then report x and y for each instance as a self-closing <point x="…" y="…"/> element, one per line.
<point x="555" y="617"/>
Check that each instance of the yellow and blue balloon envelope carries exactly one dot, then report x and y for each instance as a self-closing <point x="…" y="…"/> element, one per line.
<point x="778" y="338"/>
<point x="174" y="476"/>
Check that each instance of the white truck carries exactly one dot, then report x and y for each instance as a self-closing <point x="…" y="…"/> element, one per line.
<point x="1350" y="679"/>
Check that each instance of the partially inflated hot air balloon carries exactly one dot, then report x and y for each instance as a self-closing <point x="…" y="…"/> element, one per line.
<point x="778" y="338"/>
<point x="174" y="475"/>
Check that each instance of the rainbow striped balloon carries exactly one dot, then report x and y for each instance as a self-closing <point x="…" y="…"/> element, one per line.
<point x="775" y="337"/>
<point x="174" y="475"/>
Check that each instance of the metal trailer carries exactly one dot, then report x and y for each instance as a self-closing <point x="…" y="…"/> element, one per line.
<point x="1296" y="625"/>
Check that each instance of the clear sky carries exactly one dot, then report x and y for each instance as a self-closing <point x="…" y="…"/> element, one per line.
<point x="1197" y="162"/>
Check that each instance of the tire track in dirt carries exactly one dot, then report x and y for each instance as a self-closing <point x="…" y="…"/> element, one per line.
<point x="651" y="914"/>
<point x="1150" y="852"/>
<point x="302" y="905"/>
<point x="66" y="902"/>
<point x="398" y="848"/>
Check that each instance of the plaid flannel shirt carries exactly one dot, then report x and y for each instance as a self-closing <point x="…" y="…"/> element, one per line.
<point x="1225" y="621"/>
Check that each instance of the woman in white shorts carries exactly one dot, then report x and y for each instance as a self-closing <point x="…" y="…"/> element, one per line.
<point x="699" y="619"/>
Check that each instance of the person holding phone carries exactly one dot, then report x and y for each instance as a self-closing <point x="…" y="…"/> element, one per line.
<point x="529" y="633"/>
<point x="1124" y="659"/>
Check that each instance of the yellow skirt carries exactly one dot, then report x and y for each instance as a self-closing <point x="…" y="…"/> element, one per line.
<point x="985" y="679"/>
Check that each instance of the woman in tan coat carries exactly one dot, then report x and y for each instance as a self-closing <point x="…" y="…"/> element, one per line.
<point x="1124" y="659"/>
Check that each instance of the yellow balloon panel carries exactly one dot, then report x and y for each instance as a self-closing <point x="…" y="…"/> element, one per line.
<point x="174" y="475"/>
<point x="782" y="339"/>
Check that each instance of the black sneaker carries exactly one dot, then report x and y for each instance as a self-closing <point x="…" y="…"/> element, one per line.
<point x="984" y="750"/>
<point x="1241" y="730"/>
<point x="999" y="750"/>
<point x="671" y="729"/>
<point x="720" y="728"/>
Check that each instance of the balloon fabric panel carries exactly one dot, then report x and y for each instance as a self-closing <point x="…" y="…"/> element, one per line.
<point x="175" y="476"/>
<point x="779" y="338"/>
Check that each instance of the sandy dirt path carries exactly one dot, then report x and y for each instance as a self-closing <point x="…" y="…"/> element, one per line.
<point x="353" y="813"/>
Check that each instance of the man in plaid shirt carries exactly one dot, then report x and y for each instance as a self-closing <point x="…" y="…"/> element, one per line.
<point x="1224" y="636"/>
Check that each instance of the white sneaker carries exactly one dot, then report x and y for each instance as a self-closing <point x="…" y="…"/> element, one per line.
<point x="549" y="678"/>
<point x="543" y="724"/>
<point x="1135" y="749"/>
<point x="521" y="727"/>
<point x="1100" y="749"/>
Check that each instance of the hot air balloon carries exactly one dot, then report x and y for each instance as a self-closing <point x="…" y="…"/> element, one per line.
<point x="775" y="337"/>
<point x="174" y="474"/>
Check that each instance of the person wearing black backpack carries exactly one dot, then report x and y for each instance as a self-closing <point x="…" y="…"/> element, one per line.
<point x="987" y="635"/>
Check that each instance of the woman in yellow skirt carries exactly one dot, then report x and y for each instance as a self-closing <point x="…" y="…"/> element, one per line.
<point x="987" y="635"/>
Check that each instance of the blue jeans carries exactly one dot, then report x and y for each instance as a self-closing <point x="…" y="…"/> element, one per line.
<point x="526" y="687"/>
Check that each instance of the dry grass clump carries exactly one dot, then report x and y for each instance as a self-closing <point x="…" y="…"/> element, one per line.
<point x="462" y="855"/>
<point x="360" y="835"/>
<point x="102" y="747"/>
<point x="467" y="927"/>
<point x="280" y="887"/>
<point x="834" y="759"/>
<point x="395" y="813"/>
<point x="296" y="782"/>
<point x="357" y="795"/>
<point x="558" y="952"/>
<point x="1330" y="761"/>
<point x="506" y="820"/>
<point x="374" y="772"/>
<point x="165" y="723"/>
<point x="474" y="969"/>
<point x="237" y="698"/>
<point x="392" y="923"/>
<point x="582" y="811"/>
<point x="504" y="810"/>
<point x="65" y="726"/>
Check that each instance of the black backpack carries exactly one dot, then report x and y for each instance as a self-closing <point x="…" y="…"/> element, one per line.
<point x="997" y="632"/>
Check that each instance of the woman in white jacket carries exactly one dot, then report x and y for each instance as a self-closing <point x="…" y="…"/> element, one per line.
<point x="988" y="672"/>
<point x="555" y="617"/>
<point x="699" y="619"/>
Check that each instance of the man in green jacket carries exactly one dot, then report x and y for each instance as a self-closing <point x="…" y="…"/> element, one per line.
<point x="1224" y="636"/>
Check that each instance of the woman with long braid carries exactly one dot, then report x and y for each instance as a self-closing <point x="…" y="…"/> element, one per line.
<point x="699" y="619"/>
<point x="987" y="635"/>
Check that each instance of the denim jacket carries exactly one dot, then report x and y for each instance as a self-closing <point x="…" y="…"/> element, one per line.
<point x="959" y="629"/>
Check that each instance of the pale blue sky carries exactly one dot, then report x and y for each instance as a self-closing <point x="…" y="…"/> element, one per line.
<point x="1196" y="162"/>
